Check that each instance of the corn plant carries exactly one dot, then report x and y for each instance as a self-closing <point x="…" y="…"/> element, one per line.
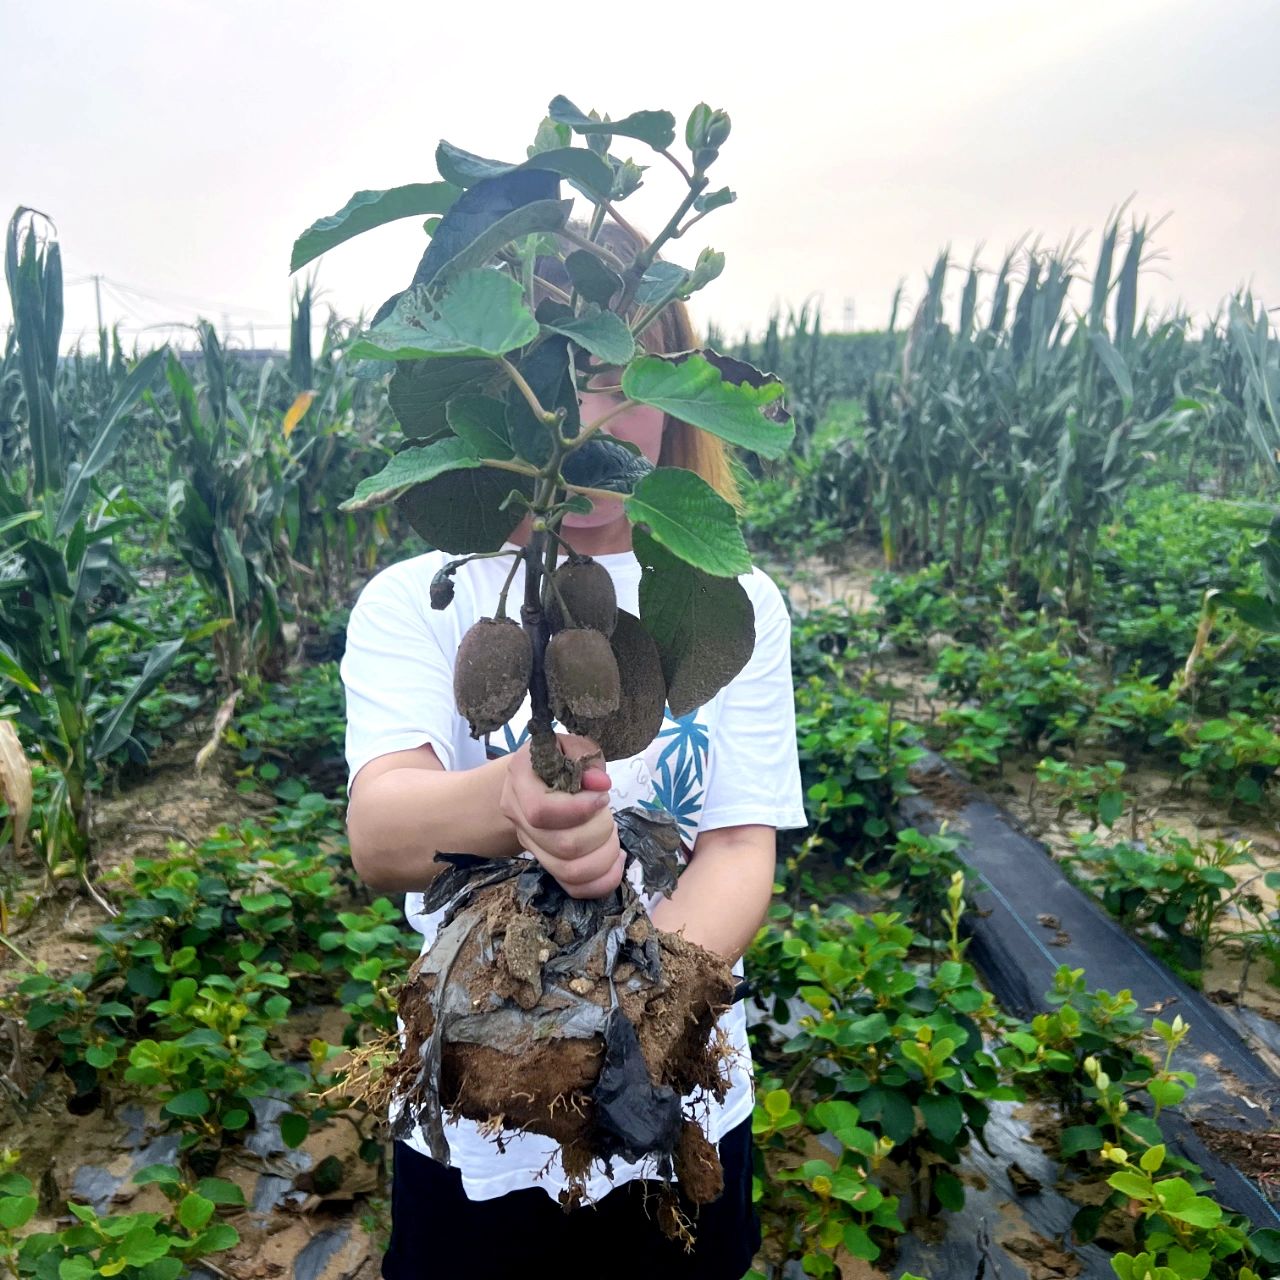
<point x="227" y="493"/>
<point x="60" y="579"/>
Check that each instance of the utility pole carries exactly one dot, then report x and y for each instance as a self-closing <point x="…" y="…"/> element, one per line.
<point x="102" y="333"/>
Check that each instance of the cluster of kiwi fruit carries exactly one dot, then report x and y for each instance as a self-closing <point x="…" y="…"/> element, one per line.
<point x="604" y="675"/>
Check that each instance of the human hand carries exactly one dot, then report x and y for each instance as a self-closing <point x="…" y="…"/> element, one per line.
<point x="573" y="837"/>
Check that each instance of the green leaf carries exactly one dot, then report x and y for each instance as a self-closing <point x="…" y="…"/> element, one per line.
<point x="949" y="1190"/>
<point x="14" y="1184"/>
<point x="657" y="128"/>
<point x="420" y="391"/>
<point x="1131" y="1184"/>
<point x="17" y="1211"/>
<point x="592" y="279"/>
<point x="582" y="167"/>
<point x="777" y="1103"/>
<point x="601" y="333"/>
<point x="891" y="1109"/>
<point x="368" y="209"/>
<point x="605" y="463"/>
<point x="114" y="421"/>
<point x="100" y="1055"/>
<point x="857" y="1240"/>
<point x="692" y="390"/>
<point x="483" y="314"/>
<point x="194" y="1211"/>
<point x="459" y="511"/>
<point x="537" y="217"/>
<point x="547" y="371"/>
<point x="704" y="626"/>
<point x="413" y="466"/>
<point x="1110" y="806"/>
<point x="1266" y="1243"/>
<point x="222" y="1235"/>
<point x="162" y="1269"/>
<point x="943" y="1115"/>
<point x="481" y="423"/>
<point x="1080" y="1137"/>
<point x="189" y="1104"/>
<point x="114" y="730"/>
<point x="164" y="1174"/>
<point x="10" y="669"/>
<point x="688" y="517"/>
<point x="220" y="1191"/>
<point x="294" y="1128"/>
<point x="77" y="1268"/>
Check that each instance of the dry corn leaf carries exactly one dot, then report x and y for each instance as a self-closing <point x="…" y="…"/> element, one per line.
<point x="296" y="411"/>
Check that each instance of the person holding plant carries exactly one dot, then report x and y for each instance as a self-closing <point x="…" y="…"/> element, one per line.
<point x="728" y="772"/>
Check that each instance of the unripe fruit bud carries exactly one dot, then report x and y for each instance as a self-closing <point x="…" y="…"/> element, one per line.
<point x="588" y="595"/>
<point x="442" y="590"/>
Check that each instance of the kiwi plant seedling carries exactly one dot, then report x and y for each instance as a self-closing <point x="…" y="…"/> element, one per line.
<point x="513" y="316"/>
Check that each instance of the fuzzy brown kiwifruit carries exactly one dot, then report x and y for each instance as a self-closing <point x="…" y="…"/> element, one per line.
<point x="587" y="592"/>
<point x="491" y="675"/>
<point x="628" y="730"/>
<point x="582" y="674"/>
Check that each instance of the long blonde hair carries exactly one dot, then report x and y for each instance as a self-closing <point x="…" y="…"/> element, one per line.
<point x="683" y="445"/>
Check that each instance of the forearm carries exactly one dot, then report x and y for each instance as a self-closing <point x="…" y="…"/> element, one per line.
<point x="399" y="820"/>
<point x="723" y="894"/>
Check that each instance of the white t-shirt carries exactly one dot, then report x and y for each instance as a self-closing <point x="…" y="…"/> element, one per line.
<point x="732" y="762"/>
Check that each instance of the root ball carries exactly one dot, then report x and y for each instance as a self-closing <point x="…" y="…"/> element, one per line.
<point x="491" y="676"/>
<point x="582" y="675"/>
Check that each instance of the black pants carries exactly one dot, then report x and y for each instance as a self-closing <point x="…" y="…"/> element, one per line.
<point x="436" y="1232"/>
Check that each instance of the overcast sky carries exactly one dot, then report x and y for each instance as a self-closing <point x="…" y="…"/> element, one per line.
<point x="181" y="145"/>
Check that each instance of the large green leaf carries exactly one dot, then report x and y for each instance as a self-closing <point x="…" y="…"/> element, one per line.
<point x="546" y="369"/>
<point x="420" y="390"/>
<point x="693" y="390"/>
<point x="605" y="463"/>
<point x="596" y="282"/>
<point x="368" y="209"/>
<point x="459" y="511"/>
<point x="684" y="513"/>
<point x="114" y="421"/>
<point x="410" y="467"/>
<point x="481" y="423"/>
<point x="488" y="216"/>
<point x="704" y="626"/>
<point x="657" y="128"/>
<point x="601" y="333"/>
<point x="482" y="315"/>
<point x="583" y="168"/>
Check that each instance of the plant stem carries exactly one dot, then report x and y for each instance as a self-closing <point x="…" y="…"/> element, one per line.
<point x="678" y="164"/>
<point x="520" y="469"/>
<point x="526" y="390"/>
<point x="506" y="586"/>
<point x="623" y="223"/>
<point x="17" y="950"/>
<point x="554" y="290"/>
<point x="587" y="432"/>
<point x="596" y="495"/>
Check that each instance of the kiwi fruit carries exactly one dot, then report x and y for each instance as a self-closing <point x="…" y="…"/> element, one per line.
<point x="628" y="730"/>
<point x="587" y="591"/>
<point x="582" y="674"/>
<point x="491" y="674"/>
